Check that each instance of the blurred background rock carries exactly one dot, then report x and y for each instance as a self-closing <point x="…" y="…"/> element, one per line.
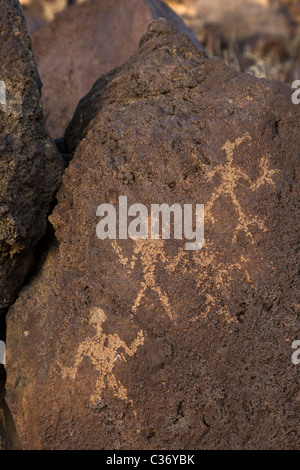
<point x="261" y="37"/>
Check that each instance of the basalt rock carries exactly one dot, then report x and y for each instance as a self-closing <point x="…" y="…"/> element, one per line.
<point x="126" y="344"/>
<point x="30" y="168"/>
<point x="86" y="41"/>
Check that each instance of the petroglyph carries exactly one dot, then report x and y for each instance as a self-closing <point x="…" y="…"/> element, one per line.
<point x="213" y="273"/>
<point x="2" y="352"/>
<point x="149" y="253"/>
<point x="103" y="351"/>
<point x="2" y="93"/>
<point x="206" y="266"/>
<point x="230" y="176"/>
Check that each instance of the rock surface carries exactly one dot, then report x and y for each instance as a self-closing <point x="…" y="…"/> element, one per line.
<point x="86" y="41"/>
<point x="122" y="344"/>
<point x="34" y="23"/>
<point x="30" y="169"/>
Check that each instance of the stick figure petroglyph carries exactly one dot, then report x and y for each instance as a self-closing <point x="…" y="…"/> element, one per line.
<point x="149" y="253"/>
<point x="103" y="351"/>
<point x="230" y="176"/>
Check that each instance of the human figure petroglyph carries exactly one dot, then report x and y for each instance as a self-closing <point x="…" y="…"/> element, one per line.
<point x="103" y="351"/>
<point x="230" y="176"/>
<point x="149" y="253"/>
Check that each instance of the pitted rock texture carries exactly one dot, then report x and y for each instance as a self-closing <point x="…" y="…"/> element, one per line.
<point x="30" y="168"/>
<point x="86" y="41"/>
<point x="140" y="344"/>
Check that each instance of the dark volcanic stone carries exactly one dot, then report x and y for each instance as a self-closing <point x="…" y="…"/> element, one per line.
<point x="141" y="344"/>
<point x="86" y="41"/>
<point x="30" y="168"/>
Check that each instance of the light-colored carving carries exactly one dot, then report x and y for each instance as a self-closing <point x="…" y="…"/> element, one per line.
<point x="230" y="175"/>
<point x="103" y="351"/>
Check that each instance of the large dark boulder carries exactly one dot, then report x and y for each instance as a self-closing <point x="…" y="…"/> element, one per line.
<point x="30" y="168"/>
<point x="141" y="344"/>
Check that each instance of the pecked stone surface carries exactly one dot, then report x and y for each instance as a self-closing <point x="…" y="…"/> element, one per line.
<point x="86" y="41"/>
<point x="30" y="169"/>
<point x="123" y="344"/>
